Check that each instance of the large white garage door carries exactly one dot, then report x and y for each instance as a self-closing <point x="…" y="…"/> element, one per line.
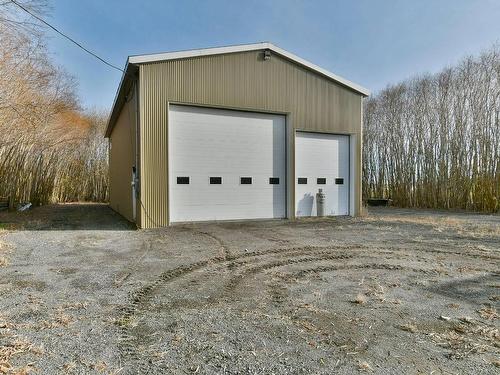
<point x="321" y="162"/>
<point x="225" y="165"/>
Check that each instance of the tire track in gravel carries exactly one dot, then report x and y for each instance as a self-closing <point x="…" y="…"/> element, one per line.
<point x="469" y="253"/>
<point x="220" y="242"/>
<point x="320" y="256"/>
<point x="323" y="256"/>
<point x="142" y="363"/>
<point x="322" y="253"/>
<point x="373" y="266"/>
<point x="271" y="236"/>
<point x="140" y="295"/>
<point x="138" y="298"/>
<point x="308" y="256"/>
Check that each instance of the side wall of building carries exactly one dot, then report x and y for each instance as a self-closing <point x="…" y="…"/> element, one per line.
<point x="121" y="160"/>
<point x="240" y="81"/>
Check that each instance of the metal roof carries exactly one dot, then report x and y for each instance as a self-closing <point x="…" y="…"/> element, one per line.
<point x="133" y="61"/>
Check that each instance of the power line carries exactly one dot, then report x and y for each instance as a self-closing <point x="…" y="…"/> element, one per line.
<point x="65" y="36"/>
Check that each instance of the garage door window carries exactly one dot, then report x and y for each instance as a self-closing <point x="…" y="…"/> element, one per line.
<point x="339" y="181"/>
<point x="274" y="180"/>
<point x="246" y="180"/>
<point x="182" y="180"/>
<point x="215" y="180"/>
<point x="302" y="181"/>
<point x="321" y="181"/>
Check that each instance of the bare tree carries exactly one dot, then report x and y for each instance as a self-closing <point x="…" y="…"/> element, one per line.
<point x="434" y="141"/>
<point x="49" y="150"/>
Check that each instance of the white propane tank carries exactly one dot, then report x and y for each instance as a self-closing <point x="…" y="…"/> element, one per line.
<point x="320" y="203"/>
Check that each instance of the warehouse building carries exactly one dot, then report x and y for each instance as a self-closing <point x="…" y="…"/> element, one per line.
<point x="233" y="133"/>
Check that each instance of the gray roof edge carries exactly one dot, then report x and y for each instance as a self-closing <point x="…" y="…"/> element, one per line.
<point x="116" y="107"/>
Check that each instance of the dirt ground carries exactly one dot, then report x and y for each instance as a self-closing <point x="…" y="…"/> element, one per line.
<point x="397" y="291"/>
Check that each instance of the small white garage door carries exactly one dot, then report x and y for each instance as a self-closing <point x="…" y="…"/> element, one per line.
<point x="225" y="164"/>
<point x="321" y="162"/>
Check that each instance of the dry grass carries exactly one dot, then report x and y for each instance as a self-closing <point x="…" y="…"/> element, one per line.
<point x="469" y="338"/>
<point x="409" y="327"/>
<point x="443" y="224"/>
<point x="63" y="319"/>
<point x="59" y="319"/>
<point x="17" y="347"/>
<point x="364" y="366"/>
<point x="372" y="290"/>
<point x="488" y="312"/>
<point x="101" y="367"/>
<point x="69" y="367"/>
<point x="376" y="290"/>
<point x="126" y="322"/>
<point x="28" y="369"/>
<point x="360" y="299"/>
<point x="3" y="249"/>
<point x="5" y="324"/>
<point x="74" y="306"/>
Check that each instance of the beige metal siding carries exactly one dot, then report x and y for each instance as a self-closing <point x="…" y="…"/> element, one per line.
<point x="121" y="160"/>
<point x="241" y="81"/>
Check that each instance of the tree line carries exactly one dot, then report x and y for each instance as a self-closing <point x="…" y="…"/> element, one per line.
<point x="433" y="141"/>
<point x="50" y="150"/>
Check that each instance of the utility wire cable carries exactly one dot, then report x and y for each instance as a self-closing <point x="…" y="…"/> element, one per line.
<point x="65" y="36"/>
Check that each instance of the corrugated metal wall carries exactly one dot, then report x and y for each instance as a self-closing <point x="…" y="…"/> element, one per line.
<point x="121" y="160"/>
<point x="241" y="81"/>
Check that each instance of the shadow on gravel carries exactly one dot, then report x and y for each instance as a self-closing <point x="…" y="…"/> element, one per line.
<point x="71" y="216"/>
<point x="475" y="290"/>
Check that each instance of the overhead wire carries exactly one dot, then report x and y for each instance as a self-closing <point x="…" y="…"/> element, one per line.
<point x="78" y="44"/>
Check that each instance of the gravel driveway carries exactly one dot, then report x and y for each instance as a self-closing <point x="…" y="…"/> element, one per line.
<point x="397" y="291"/>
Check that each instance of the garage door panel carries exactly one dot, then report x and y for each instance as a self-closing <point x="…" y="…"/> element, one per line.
<point x="322" y="156"/>
<point x="205" y="143"/>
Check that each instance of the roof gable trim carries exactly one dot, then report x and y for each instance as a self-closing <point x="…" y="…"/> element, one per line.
<point x="143" y="59"/>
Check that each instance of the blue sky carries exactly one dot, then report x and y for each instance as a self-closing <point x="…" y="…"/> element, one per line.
<point x="371" y="42"/>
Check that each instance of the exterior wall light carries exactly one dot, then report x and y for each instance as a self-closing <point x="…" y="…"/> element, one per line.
<point x="267" y="54"/>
